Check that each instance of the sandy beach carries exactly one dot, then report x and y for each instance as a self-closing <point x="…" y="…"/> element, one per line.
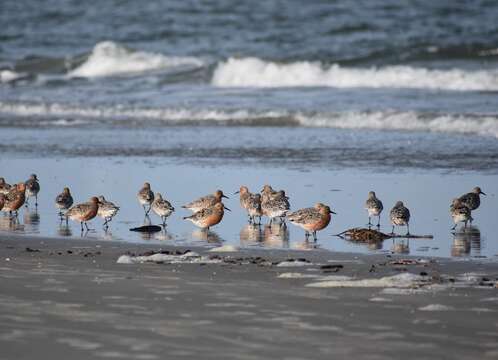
<point x="72" y="299"/>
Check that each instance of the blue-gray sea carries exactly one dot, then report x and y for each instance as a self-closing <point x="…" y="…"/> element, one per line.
<point x="315" y="96"/>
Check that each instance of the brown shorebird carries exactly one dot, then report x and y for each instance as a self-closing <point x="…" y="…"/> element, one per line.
<point x="459" y="213"/>
<point x="146" y="197"/>
<point x="162" y="207"/>
<point x="64" y="201"/>
<point x="32" y="188"/>
<point x="107" y="210"/>
<point x="312" y="219"/>
<point x="205" y="201"/>
<point x="400" y="215"/>
<point x="208" y="217"/>
<point x="4" y="187"/>
<point x="374" y="207"/>
<point x="15" y="199"/>
<point x="267" y="192"/>
<point x="84" y="212"/>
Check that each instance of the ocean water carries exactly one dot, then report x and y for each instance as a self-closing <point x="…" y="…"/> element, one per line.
<point x="370" y="87"/>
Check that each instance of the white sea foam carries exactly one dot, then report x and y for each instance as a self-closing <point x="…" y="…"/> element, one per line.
<point x="486" y="125"/>
<point x="110" y="59"/>
<point x="255" y="72"/>
<point x="7" y="76"/>
<point x="404" y="280"/>
<point x="189" y="257"/>
<point x="225" y="248"/>
<point x="436" y="307"/>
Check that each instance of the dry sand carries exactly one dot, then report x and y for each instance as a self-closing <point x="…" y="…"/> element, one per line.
<point x="71" y="299"/>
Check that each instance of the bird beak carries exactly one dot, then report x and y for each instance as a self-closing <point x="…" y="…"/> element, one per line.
<point x="235" y="193"/>
<point x="333" y="212"/>
<point x="224" y="207"/>
<point x="482" y="193"/>
<point x="224" y="196"/>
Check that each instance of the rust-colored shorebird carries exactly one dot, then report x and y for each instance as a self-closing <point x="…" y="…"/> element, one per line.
<point x="84" y="212"/>
<point x="312" y="219"/>
<point x="208" y="217"/>
<point x="15" y="198"/>
<point x="146" y="197"/>
<point x="205" y="201"/>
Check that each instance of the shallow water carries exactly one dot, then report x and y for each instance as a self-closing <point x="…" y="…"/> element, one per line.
<point x="426" y="194"/>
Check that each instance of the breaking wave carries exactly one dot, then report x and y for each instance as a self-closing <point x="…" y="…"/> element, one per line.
<point x="55" y="114"/>
<point x="254" y="72"/>
<point x="111" y="59"/>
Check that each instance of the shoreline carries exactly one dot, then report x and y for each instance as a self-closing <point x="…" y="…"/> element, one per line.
<point x="71" y="297"/>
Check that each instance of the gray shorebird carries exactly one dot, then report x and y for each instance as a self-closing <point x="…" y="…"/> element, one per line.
<point x="276" y="206"/>
<point x="267" y="192"/>
<point x="311" y="219"/>
<point x="32" y="188"/>
<point x="400" y="216"/>
<point x="84" y="212"/>
<point x="64" y="201"/>
<point x="460" y="213"/>
<point x="251" y="203"/>
<point x="205" y="201"/>
<point x="107" y="210"/>
<point x="374" y="207"/>
<point x="209" y="216"/>
<point x="4" y="187"/>
<point x="162" y="207"/>
<point x="472" y="200"/>
<point x="146" y="197"/>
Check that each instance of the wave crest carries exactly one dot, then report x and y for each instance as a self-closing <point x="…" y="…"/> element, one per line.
<point x="110" y="59"/>
<point x="254" y="72"/>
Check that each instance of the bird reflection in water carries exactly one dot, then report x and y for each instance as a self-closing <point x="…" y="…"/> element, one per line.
<point x="207" y="236"/>
<point x="276" y="235"/>
<point x="465" y="240"/>
<point x="31" y="220"/>
<point x="10" y="223"/>
<point x="251" y="234"/>
<point x="64" y="230"/>
<point x="400" y="246"/>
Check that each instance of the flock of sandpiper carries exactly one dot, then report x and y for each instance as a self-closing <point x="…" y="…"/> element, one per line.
<point x="209" y="210"/>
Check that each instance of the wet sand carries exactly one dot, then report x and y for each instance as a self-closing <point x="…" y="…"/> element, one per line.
<point x="68" y="298"/>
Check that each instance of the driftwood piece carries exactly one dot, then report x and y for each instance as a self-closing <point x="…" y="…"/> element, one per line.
<point x="147" y="228"/>
<point x="370" y="235"/>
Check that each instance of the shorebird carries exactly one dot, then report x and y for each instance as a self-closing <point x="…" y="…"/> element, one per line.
<point x="107" y="210"/>
<point x="205" y="201"/>
<point x="4" y="187"/>
<point x="472" y="199"/>
<point x="208" y="217"/>
<point x="15" y="198"/>
<point x="146" y="197"/>
<point x="374" y="207"/>
<point x="400" y="215"/>
<point x="460" y="213"/>
<point x="267" y="192"/>
<point x="276" y="206"/>
<point x="64" y="201"/>
<point x="84" y="212"/>
<point x="312" y="219"/>
<point x="32" y="188"/>
<point x="162" y="207"/>
<point x="2" y="201"/>
<point x="251" y="203"/>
